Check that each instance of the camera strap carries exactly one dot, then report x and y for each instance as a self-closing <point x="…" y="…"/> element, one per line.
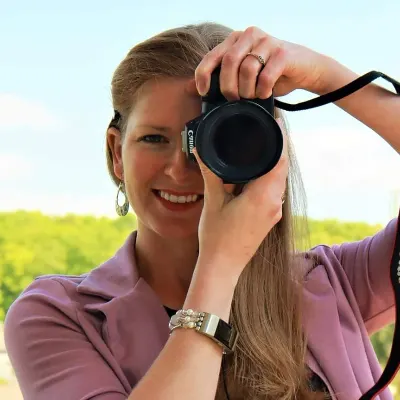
<point x="338" y="94"/>
<point x="393" y="363"/>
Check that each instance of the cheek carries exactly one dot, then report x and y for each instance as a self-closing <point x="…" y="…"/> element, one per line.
<point x="141" y="167"/>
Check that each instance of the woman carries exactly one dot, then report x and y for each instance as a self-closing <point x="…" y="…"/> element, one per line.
<point x="303" y="319"/>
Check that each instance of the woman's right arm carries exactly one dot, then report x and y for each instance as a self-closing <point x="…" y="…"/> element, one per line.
<point x="230" y="231"/>
<point x="189" y="364"/>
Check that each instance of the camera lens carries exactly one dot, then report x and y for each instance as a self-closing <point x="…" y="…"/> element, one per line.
<point x="240" y="141"/>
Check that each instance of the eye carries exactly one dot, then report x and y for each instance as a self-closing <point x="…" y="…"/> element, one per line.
<point x="153" y="139"/>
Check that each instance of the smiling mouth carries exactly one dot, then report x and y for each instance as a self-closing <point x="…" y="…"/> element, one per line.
<point x="179" y="201"/>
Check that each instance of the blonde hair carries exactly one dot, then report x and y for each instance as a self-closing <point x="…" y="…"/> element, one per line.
<point x="269" y="361"/>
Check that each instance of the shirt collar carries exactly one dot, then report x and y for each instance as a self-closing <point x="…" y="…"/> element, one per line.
<point x="116" y="276"/>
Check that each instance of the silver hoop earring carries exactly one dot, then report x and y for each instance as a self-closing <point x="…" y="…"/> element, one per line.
<point x="122" y="210"/>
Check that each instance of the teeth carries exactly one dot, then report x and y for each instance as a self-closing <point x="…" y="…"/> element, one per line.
<point x="178" y="199"/>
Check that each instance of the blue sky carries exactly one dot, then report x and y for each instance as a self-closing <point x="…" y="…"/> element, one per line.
<point x="56" y="63"/>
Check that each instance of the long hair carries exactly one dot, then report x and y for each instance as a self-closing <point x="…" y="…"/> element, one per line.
<point x="269" y="360"/>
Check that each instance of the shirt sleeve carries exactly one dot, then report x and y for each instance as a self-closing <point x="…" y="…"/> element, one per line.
<point x="367" y="266"/>
<point x="51" y="355"/>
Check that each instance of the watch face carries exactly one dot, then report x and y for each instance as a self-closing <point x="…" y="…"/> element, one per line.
<point x="224" y="332"/>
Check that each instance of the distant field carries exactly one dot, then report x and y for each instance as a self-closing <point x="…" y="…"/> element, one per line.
<point x="10" y="390"/>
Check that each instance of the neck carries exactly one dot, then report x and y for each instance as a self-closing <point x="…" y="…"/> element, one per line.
<point x="166" y="264"/>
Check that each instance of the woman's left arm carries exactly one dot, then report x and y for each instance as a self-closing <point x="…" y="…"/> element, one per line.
<point x="374" y="106"/>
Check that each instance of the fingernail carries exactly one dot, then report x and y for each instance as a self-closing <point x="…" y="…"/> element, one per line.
<point x="201" y="87"/>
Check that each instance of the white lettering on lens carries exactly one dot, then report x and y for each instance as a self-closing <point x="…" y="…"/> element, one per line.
<point x="191" y="141"/>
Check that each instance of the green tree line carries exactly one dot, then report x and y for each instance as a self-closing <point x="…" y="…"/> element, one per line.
<point x="33" y="244"/>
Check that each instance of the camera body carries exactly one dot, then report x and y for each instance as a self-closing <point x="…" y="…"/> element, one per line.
<point x="238" y="140"/>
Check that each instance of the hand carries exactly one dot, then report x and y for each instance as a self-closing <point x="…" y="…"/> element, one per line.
<point x="288" y="66"/>
<point x="232" y="228"/>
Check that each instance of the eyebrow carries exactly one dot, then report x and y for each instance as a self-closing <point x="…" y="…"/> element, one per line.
<point x="155" y="127"/>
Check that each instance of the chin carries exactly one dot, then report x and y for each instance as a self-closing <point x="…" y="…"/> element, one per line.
<point x="178" y="230"/>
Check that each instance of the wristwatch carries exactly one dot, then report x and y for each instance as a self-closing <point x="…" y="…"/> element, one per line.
<point x="207" y="324"/>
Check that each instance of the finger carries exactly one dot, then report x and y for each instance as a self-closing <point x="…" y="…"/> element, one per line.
<point x="232" y="59"/>
<point x="230" y="188"/>
<point x="214" y="192"/>
<point x="251" y="66"/>
<point x="212" y="60"/>
<point x="272" y="71"/>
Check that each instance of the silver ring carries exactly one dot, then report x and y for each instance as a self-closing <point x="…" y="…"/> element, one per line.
<point x="259" y="58"/>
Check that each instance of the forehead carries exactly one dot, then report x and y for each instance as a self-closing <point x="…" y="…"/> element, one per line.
<point x="165" y="99"/>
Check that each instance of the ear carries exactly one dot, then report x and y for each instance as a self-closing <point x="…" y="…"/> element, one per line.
<point x="114" y="144"/>
<point x="191" y="88"/>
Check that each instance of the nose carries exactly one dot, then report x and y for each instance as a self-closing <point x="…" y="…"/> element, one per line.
<point x="179" y="168"/>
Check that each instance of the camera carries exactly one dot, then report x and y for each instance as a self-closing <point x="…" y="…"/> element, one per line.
<point x="238" y="140"/>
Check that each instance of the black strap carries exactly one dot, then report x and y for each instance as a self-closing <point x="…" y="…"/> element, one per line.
<point x="339" y="93"/>
<point x="393" y="364"/>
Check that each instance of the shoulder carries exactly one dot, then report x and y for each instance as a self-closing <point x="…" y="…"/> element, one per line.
<point x="52" y="338"/>
<point x="357" y="272"/>
<point x="53" y="288"/>
<point x="357" y="253"/>
<point x="52" y="296"/>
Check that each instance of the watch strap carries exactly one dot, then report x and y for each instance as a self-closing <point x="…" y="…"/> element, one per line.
<point x="207" y="324"/>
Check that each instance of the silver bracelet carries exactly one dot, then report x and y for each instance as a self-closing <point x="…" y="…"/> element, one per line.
<point x="187" y="319"/>
<point x="207" y="324"/>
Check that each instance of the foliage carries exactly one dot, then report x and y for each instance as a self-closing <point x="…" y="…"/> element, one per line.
<point x="33" y="244"/>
